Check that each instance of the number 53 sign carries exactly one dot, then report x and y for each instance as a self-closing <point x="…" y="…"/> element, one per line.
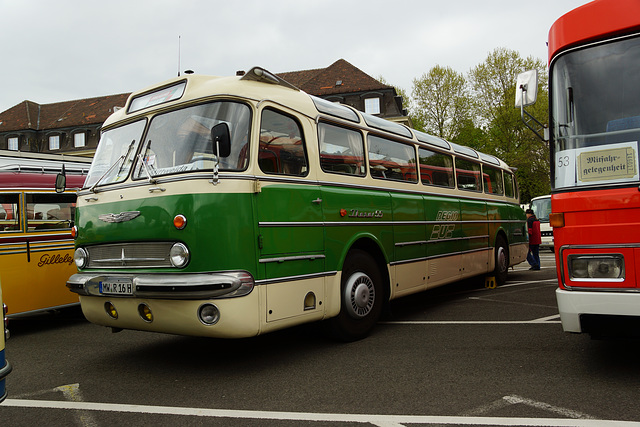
<point x="602" y="164"/>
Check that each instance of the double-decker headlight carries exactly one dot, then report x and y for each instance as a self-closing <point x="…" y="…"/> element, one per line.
<point x="81" y="257"/>
<point x="596" y="266"/>
<point x="179" y="255"/>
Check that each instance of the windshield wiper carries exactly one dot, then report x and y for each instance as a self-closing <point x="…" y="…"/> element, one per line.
<point x="118" y="160"/>
<point x="145" y="166"/>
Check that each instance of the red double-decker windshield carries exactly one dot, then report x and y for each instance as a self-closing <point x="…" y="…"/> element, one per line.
<point x="595" y="114"/>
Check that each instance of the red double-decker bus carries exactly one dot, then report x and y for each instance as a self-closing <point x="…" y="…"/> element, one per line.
<point x="594" y="112"/>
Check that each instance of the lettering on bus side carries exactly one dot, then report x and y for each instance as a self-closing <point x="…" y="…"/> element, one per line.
<point x="444" y="231"/>
<point x="355" y="213"/>
<point x="47" y="259"/>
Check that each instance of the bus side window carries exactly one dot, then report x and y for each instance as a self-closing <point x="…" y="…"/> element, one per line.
<point x="282" y="149"/>
<point x="468" y="175"/>
<point x="9" y="212"/>
<point x="492" y="180"/>
<point x="341" y="150"/>
<point x="509" y="189"/>
<point x="50" y="211"/>
<point x="435" y="168"/>
<point x="391" y="160"/>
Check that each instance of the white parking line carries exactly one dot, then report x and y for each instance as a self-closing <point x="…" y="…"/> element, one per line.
<point x="473" y="322"/>
<point x="528" y="282"/>
<point x="515" y="400"/>
<point x="379" y="420"/>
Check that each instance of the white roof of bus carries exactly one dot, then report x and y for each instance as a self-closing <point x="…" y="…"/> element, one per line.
<point x="252" y="87"/>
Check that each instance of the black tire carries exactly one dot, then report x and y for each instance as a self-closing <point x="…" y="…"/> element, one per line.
<point x="502" y="261"/>
<point x="361" y="297"/>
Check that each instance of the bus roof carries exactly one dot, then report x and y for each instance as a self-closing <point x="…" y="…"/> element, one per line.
<point x="546" y="196"/>
<point x="37" y="180"/>
<point x="261" y="85"/>
<point x="20" y="161"/>
<point x="593" y="21"/>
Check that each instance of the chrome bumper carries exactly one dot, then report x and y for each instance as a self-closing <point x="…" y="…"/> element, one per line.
<point x="168" y="286"/>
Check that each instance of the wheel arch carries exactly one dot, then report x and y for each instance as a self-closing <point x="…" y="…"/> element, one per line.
<point x="371" y="246"/>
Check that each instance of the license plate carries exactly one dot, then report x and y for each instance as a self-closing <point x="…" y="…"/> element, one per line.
<point x="117" y="287"/>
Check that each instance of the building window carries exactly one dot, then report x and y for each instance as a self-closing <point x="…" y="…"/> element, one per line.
<point x="78" y="140"/>
<point x="372" y="105"/>
<point x="54" y="142"/>
<point x="13" y="143"/>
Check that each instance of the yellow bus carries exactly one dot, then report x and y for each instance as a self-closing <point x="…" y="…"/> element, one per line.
<point x="235" y="206"/>
<point x="36" y="246"/>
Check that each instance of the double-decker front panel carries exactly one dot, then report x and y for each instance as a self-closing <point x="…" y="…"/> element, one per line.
<point x="597" y="251"/>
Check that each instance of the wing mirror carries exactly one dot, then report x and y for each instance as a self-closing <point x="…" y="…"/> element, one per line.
<point x="61" y="181"/>
<point x="526" y="94"/>
<point x="221" y="138"/>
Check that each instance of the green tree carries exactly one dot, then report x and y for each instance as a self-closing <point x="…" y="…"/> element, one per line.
<point x="493" y="89"/>
<point x="440" y="102"/>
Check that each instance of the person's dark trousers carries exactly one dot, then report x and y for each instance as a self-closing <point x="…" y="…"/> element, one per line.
<point x="533" y="257"/>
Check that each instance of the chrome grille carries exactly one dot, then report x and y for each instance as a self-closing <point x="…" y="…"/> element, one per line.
<point x="130" y="255"/>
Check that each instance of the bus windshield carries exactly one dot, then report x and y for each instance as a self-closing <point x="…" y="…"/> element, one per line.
<point x="595" y="114"/>
<point x="541" y="208"/>
<point x="115" y="153"/>
<point x="180" y="141"/>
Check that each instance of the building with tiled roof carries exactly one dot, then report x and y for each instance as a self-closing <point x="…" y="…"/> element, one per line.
<point x="347" y="84"/>
<point x="70" y="126"/>
<point x="73" y="127"/>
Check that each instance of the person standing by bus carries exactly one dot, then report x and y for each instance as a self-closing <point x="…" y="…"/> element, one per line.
<point x="535" y="239"/>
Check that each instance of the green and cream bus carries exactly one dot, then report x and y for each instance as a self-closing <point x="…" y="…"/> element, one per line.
<point x="232" y="207"/>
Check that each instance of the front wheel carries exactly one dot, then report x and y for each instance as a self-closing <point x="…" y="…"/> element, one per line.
<point x="361" y="298"/>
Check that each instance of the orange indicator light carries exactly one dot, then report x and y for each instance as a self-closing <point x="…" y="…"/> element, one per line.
<point x="180" y="222"/>
<point x="556" y="220"/>
<point x="343" y="212"/>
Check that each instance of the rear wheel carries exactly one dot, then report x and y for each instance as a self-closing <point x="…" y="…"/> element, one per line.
<point x="502" y="261"/>
<point x="361" y="298"/>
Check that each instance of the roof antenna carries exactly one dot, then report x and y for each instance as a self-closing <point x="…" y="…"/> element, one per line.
<point x="178" y="56"/>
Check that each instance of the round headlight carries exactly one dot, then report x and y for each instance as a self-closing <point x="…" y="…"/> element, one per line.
<point x="179" y="255"/>
<point x="81" y="257"/>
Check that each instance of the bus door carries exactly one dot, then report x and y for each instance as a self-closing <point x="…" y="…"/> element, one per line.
<point x="409" y="235"/>
<point x="289" y="211"/>
<point x="475" y="241"/>
<point x="13" y="248"/>
<point x="444" y="233"/>
<point x="473" y="217"/>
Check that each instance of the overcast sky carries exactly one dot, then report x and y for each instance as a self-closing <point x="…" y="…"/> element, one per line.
<point x="62" y="50"/>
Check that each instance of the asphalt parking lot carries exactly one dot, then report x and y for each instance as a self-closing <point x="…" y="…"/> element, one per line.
<point x="463" y="354"/>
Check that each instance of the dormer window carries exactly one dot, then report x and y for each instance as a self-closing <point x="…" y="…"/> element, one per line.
<point x="79" y="139"/>
<point x="372" y="105"/>
<point x="54" y="142"/>
<point x="12" y="143"/>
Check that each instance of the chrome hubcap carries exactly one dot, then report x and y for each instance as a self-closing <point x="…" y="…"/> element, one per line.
<point x="359" y="295"/>
<point x="502" y="259"/>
